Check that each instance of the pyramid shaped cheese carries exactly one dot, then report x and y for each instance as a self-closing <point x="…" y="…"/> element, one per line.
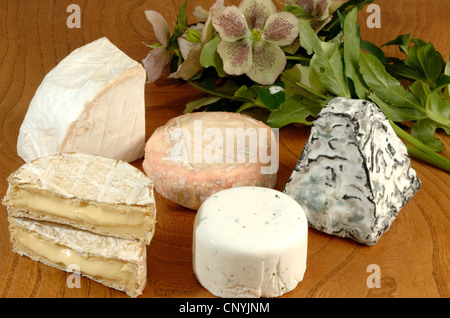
<point x="91" y="102"/>
<point x="354" y="174"/>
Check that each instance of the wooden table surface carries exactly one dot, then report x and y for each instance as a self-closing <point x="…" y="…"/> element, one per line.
<point x="413" y="256"/>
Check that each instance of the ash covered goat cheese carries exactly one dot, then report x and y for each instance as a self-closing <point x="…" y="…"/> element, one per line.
<point x="354" y="174"/>
<point x="250" y="242"/>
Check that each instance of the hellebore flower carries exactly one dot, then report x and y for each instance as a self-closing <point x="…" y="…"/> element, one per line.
<point x="251" y="36"/>
<point x="320" y="10"/>
<point x="159" y="56"/>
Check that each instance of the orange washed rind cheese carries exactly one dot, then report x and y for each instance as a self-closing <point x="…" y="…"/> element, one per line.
<point x="196" y="155"/>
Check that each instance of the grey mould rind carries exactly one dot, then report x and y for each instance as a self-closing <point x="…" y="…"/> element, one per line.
<point x="354" y="174"/>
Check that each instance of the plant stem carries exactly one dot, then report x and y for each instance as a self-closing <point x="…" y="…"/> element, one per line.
<point x="214" y="93"/>
<point x="297" y="58"/>
<point x="427" y="158"/>
<point x="306" y="88"/>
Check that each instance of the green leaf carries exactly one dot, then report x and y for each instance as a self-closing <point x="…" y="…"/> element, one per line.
<point x="438" y="110"/>
<point x="210" y="58"/>
<point x="298" y="11"/>
<point x="333" y="28"/>
<point x="271" y="96"/>
<point x="181" y="24"/>
<point x="423" y="58"/>
<point x="194" y="105"/>
<point x="351" y="54"/>
<point x="371" y="48"/>
<point x="296" y="109"/>
<point x="425" y="130"/>
<point x="384" y="85"/>
<point x="443" y="82"/>
<point x="402" y="41"/>
<point x="400" y="70"/>
<point x="397" y="114"/>
<point x="326" y="62"/>
<point x="244" y="92"/>
<point x="310" y="42"/>
<point x="299" y="80"/>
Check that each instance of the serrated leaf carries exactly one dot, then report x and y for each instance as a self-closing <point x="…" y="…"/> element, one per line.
<point x="397" y="114"/>
<point x="330" y="71"/>
<point x="425" y="131"/>
<point x="351" y="54"/>
<point x="296" y="109"/>
<point x="402" y="41"/>
<point x="384" y="85"/>
<point x="423" y="58"/>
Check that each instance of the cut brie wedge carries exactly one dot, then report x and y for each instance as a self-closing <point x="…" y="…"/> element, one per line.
<point x="114" y="262"/>
<point x="93" y="102"/>
<point x="101" y="195"/>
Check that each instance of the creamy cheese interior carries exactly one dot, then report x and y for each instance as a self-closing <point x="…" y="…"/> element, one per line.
<point x="35" y="246"/>
<point x="129" y="221"/>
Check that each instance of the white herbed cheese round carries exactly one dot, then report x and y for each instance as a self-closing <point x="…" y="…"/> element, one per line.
<point x="250" y="242"/>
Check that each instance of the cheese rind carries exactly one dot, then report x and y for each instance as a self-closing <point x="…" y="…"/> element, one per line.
<point x="250" y="242"/>
<point x="354" y="174"/>
<point x="102" y="195"/>
<point x="91" y="102"/>
<point x="196" y="155"/>
<point x="114" y="262"/>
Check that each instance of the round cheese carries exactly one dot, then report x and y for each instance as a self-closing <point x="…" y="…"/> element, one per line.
<point x="250" y="242"/>
<point x="196" y="155"/>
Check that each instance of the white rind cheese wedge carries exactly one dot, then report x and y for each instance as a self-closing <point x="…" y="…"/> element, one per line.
<point x="91" y="102"/>
<point x="101" y="195"/>
<point x="114" y="262"/>
<point x="250" y="242"/>
<point x="196" y="155"/>
<point x="354" y="174"/>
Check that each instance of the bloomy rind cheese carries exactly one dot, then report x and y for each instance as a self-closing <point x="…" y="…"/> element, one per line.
<point x="93" y="102"/>
<point x="58" y="245"/>
<point x="86" y="179"/>
<point x="354" y="174"/>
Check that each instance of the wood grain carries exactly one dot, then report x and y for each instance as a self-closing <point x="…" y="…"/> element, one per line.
<point x="413" y="255"/>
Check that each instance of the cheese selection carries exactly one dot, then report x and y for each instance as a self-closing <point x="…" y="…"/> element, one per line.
<point x="97" y="212"/>
<point x="250" y="242"/>
<point x="91" y="102"/>
<point x="196" y="155"/>
<point x="77" y="200"/>
<point x="354" y="174"/>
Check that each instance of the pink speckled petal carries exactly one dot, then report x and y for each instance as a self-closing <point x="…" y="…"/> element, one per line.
<point x="268" y="63"/>
<point x="230" y="23"/>
<point x="281" y="28"/>
<point x="155" y="62"/>
<point x="236" y="56"/>
<point x="208" y="29"/>
<point x="160" y="26"/>
<point x="256" y="12"/>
